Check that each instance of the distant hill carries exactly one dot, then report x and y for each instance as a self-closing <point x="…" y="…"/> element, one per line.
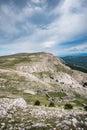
<point x="76" y="62"/>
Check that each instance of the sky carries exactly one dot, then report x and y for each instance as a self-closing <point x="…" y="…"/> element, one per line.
<point x="54" y="26"/>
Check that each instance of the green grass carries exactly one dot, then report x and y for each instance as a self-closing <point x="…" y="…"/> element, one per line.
<point x="12" y="61"/>
<point x="80" y="100"/>
<point x="6" y="62"/>
<point x="63" y="69"/>
<point x="12" y="76"/>
<point x="30" y="99"/>
<point x="41" y="74"/>
<point x="57" y="94"/>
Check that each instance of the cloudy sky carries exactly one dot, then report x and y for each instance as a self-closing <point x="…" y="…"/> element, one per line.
<point x="56" y="26"/>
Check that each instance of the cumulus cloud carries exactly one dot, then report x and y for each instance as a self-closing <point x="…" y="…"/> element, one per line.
<point x="48" y="44"/>
<point x="34" y="26"/>
<point x="12" y="19"/>
<point x="70" y="25"/>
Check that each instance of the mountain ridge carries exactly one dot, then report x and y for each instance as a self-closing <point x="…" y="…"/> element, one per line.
<point x="76" y="62"/>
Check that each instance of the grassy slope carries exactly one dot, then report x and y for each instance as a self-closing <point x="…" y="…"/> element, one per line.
<point x="26" y="58"/>
<point x="14" y="82"/>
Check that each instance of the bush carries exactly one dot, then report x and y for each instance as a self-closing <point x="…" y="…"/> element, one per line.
<point x="68" y="106"/>
<point x="37" y="102"/>
<point x="85" y="107"/>
<point x="85" y="84"/>
<point x="51" y="104"/>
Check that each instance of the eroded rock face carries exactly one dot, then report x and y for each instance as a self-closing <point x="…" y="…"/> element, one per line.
<point x="41" y="63"/>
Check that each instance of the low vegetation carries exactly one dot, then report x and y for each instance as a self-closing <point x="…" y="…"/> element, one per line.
<point x="51" y="104"/>
<point x="79" y="99"/>
<point x="68" y="106"/>
<point x="85" y="107"/>
<point x="57" y="94"/>
<point x="37" y="103"/>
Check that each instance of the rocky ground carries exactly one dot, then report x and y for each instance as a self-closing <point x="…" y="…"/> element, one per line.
<point x="16" y="114"/>
<point x="26" y="78"/>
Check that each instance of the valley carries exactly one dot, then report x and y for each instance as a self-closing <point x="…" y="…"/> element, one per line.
<point x="77" y="62"/>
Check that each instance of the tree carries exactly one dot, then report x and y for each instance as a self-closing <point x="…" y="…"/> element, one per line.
<point x="85" y="107"/>
<point x="37" y="103"/>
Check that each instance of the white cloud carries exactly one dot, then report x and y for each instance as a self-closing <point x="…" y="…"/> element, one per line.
<point x="76" y="49"/>
<point x="11" y="19"/>
<point x="37" y="1"/>
<point x="81" y="48"/>
<point x="48" y="44"/>
<point x="69" y="25"/>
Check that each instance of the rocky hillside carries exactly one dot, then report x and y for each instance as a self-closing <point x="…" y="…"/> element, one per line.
<point x="26" y="78"/>
<point x="34" y="62"/>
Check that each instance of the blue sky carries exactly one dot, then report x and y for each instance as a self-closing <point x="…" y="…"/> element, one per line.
<point x="55" y="26"/>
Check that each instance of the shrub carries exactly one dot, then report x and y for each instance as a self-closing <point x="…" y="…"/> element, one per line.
<point x="51" y="104"/>
<point x="68" y="106"/>
<point x="85" y="107"/>
<point x="37" y="102"/>
<point x="85" y="84"/>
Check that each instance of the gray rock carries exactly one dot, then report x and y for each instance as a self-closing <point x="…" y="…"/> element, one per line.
<point x="75" y="121"/>
<point x="39" y="125"/>
<point x="66" y="122"/>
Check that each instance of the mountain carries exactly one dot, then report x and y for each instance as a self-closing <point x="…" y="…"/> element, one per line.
<point x="76" y="62"/>
<point x="28" y="77"/>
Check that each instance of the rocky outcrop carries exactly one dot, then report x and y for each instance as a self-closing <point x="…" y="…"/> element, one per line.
<point x="7" y="104"/>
